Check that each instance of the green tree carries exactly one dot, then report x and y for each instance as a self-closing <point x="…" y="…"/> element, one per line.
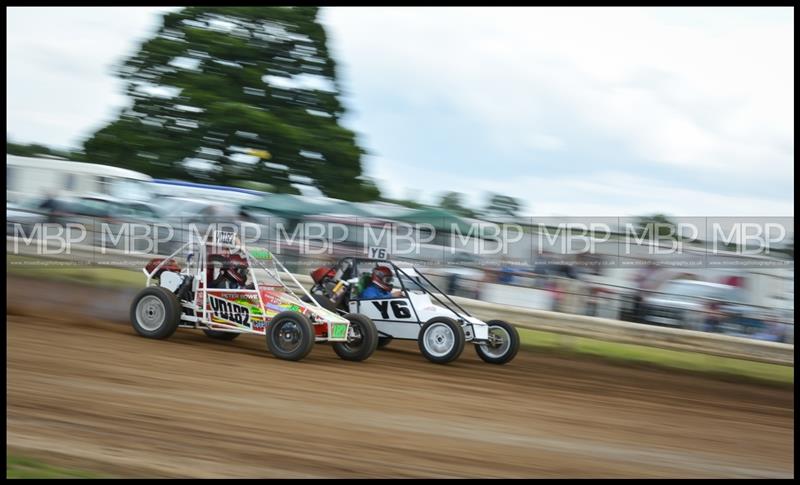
<point x="35" y="150"/>
<point x="225" y="94"/>
<point x="453" y="201"/>
<point x="503" y="204"/>
<point x="657" y="225"/>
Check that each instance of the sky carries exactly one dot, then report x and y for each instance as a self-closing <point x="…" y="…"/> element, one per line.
<point x="575" y="111"/>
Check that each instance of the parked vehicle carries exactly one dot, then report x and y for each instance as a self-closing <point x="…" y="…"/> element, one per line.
<point x="21" y="219"/>
<point x="690" y="303"/>
<point x="46" y="177"/>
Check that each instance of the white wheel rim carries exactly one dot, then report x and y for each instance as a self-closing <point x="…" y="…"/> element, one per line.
<point x="497" y="350"/>
<point x="150" y="313"/>
<point x="439" y="339"/>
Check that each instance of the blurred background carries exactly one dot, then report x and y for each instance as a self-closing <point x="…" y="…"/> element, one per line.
<point x="277" y="117"/>
<point x="473" y="135"/>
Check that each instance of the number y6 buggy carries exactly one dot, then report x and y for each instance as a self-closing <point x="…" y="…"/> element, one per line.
<point x="441" y="329"/>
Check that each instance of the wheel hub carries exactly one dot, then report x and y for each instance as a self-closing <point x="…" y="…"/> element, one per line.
<point x="289" y="336"/>
<point x="499" y="342"/>
<point x="151" y="313"/>
<point x="439" y="339"/>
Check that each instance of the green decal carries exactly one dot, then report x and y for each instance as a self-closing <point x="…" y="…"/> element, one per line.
<point x="261" y="254"/>
<point x="339" y="330"/>
<point x="250" y="305"/>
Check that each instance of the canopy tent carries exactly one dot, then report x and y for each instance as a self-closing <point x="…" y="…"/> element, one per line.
<point x="446" y="221"/>
<point x="384" y="210"/>
<point x="297" y="206"/>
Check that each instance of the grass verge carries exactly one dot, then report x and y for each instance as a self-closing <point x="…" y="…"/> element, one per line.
<point x="662" y="358"/>
<point x="55" y="270"/>
<point x="19" y="467"/>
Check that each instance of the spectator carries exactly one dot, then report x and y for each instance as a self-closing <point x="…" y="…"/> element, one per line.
<point x="452" y="283"/>
<point x="506" y="275"/>
<point x="713" y="318"/>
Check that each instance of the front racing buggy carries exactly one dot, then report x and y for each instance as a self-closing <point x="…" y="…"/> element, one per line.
<point x="219" y="290"/>
<point x="441" y="331"/>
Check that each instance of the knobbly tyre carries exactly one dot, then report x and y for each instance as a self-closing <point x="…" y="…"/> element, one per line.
<point x="219" y="291"/>
<point x="441" y="331"/>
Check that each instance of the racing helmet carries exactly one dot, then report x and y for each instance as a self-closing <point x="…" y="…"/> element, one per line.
<point x="382" y="277"/>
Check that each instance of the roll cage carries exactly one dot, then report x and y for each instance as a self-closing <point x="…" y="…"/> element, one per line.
<point x="197" y="267"/>
<point x="353" y="272"/>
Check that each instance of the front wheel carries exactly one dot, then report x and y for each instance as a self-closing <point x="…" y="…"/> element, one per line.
<point x="362" y="339"/>
<point x="503" y="343"/>
<point x="441" y="340"/>
<point x="155" y="312"/>
<point x="290" y="336"/>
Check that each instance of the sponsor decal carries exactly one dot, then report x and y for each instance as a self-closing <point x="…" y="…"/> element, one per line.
<point x="229" y="311"/>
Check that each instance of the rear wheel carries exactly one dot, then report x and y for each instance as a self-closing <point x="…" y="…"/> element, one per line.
<point x="290" y="336"/>
<point x="441" y="340"/>
<point x="155" y="312"/>
<point x="362" y="339"/>
<point x="503" y="343"/>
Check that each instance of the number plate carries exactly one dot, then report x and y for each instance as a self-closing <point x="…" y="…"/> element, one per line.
<point x="339" y="330"/>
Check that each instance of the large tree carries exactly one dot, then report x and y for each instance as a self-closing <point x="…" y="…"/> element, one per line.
<point x="453" y="202"/>
<point x="226" y="94"/>
<point x="503" y="204"/>
<point x="35" y="150"/>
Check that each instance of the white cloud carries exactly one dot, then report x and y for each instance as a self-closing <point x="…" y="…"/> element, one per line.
<point x="705" y="90"/>
<point x="60" y="86"/>
<point x="700" y="91"/>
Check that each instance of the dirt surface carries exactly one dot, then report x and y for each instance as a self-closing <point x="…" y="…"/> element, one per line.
<point x="85" y="391"/>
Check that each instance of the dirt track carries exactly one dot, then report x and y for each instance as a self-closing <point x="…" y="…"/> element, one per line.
<point x="85" y="391"/>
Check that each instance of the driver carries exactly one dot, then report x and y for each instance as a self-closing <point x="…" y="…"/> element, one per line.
<point x="381" y="285"/>
<point x="233" y="270"/>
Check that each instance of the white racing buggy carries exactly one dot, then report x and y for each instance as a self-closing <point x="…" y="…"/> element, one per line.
<point x="220" y="291"/>
<point x="441" y="330"/>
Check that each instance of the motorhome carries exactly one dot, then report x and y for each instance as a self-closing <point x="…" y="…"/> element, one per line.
<point x="28" y="178"/>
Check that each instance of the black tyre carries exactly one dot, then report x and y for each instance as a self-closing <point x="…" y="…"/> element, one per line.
<point x="362" y="339"/>
<point x="155" y="312"/>
<point x="323" y="302"/>
<point x="504" y="345"/>
<point x="290" y="336"/>
<point x="441" y="340"/>
<point x="384" y="341"/>
<point x="220" y="335"/>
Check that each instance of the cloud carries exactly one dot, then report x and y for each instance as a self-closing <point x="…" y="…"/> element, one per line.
<point x="576" y="110"/>
<point x="604" y="194"/>
<point x="706" y="93"/>
<point x="60" y="84"/>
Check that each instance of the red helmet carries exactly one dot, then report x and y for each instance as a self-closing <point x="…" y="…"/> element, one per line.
<point x="382" y="276"/>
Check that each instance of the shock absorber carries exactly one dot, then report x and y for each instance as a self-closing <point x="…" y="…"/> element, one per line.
<point x="185" y="289"/>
